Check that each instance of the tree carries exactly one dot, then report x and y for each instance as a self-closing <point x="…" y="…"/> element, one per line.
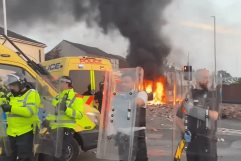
<point x="224" y="74"/>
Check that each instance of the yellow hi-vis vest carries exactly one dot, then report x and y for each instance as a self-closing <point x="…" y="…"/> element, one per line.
<point x="73" y="117"/>
<point x="24" y="113"/>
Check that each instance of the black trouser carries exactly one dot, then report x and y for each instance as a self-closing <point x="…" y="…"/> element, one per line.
<point x="48" y="154"/>
<point x="202" y="149"/>
<point x="139" y="148"/>
<point x="22" y="147"/>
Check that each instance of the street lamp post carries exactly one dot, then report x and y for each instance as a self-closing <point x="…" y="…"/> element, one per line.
<point x="5" y="17"/>
<point x="214" y="47"/>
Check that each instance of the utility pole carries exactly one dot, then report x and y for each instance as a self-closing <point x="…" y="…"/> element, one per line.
<point x="5" y="17"/>
<point x="214" y="48"/>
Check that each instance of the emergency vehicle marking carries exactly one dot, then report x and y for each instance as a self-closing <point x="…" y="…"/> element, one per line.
<point x="55" y="66"/>
<point x="90" y="61"/>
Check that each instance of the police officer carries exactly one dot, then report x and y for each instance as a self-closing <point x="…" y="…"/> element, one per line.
<point x="21" y="118"/>
<point x="88" y="92"/>
<point x="201" y="111"/>
<point x="68" y="100"/>
<point x="140" y="149"/>
<point x="70" y="106"/>
<point x="99" y="96"/>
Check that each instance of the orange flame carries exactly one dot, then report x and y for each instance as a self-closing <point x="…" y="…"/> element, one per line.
<point x="158" y="89"/>
<point x="149" y="88"/>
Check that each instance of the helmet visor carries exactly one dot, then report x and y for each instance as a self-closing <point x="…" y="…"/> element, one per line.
<point x="11" y="79"/>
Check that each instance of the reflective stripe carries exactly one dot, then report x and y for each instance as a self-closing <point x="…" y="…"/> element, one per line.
<point x="92" y="80"/>
<point x="30" y="110"/>
<point x="72" y="101"/>
<point x="60" y="113"/>
<point x="62" y="121"/>
<point x="13" y="115"/>
<point x="89" y="100"/>
<point x="74" y="114"/>
<point x="30" y="104"/>
<point x="26" y="97"/>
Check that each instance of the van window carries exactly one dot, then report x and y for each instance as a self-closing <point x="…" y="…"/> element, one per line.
<point x="80" y="80"/>
<point x="9" y="69"/>
<point x="33" y="82"/>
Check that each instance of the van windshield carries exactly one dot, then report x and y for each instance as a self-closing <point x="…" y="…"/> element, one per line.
<point x="82" y="81"/>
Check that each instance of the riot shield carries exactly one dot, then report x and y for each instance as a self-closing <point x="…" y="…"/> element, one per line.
<point x="117" y="127"/>
<point x="228" y="127"/>
<point x="161" y="134"/>
<point x="5" y="147"/>
<point x="197" y="115"/>
<point x="49" y="133"/>
<point x="5" y="144"/>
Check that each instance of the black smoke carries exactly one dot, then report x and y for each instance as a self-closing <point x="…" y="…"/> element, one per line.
<point x="141" y="21"/>
<point x="29" y="12"/>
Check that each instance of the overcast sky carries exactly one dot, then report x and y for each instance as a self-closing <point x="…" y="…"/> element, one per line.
<point x="189" y="28"/>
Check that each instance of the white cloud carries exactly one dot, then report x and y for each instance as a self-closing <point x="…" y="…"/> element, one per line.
<point x="190" y="29"/>
<point x="80" y="33"/>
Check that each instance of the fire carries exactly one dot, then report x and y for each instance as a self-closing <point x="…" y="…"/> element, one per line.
<point x="149" y="88"/>
<point x="158" y="89"/>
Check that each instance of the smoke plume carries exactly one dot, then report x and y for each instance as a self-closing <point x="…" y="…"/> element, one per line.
<point x="140" y="21"/>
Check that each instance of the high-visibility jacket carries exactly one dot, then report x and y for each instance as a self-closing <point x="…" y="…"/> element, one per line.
<point x="23" y="116"/>
<point x="73" y="117"/>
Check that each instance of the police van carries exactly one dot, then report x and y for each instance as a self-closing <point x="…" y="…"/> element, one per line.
<point x="82" y="70"/>
<point x="86" y="73"/>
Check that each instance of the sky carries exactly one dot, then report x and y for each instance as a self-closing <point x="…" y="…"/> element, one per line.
<point x="189" y="29"/>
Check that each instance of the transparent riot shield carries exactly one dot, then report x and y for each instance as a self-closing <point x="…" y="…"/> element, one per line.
<point x="161" y="135"/>
<point x="49" y="133"/>
<point x="117" y="128"/>
<point x="197" y="116"/>
<point x="5" y="147"/>
<point x="228" y="127"/>
<point x="5" y="144"/>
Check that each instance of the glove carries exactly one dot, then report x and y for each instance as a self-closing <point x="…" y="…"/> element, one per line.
<point x="188" y="136"/>
<point x="46" y="123"/>
<point x="62" y="106"/>
<point x="6" y="107"/>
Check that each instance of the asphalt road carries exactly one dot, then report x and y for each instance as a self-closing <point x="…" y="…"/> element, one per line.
<point x="162" y="141"/>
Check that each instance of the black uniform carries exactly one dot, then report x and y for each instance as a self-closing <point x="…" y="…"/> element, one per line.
<point x="99" y="98"/>
<point x="22" y="147"/>
<point x="140" y="149"/>
<point x="203" y="146"/>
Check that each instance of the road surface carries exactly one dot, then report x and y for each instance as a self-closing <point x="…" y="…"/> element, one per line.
<point x="163" y="136"/>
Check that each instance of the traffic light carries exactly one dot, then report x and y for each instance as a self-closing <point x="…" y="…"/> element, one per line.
<point x="188" y="73"/>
